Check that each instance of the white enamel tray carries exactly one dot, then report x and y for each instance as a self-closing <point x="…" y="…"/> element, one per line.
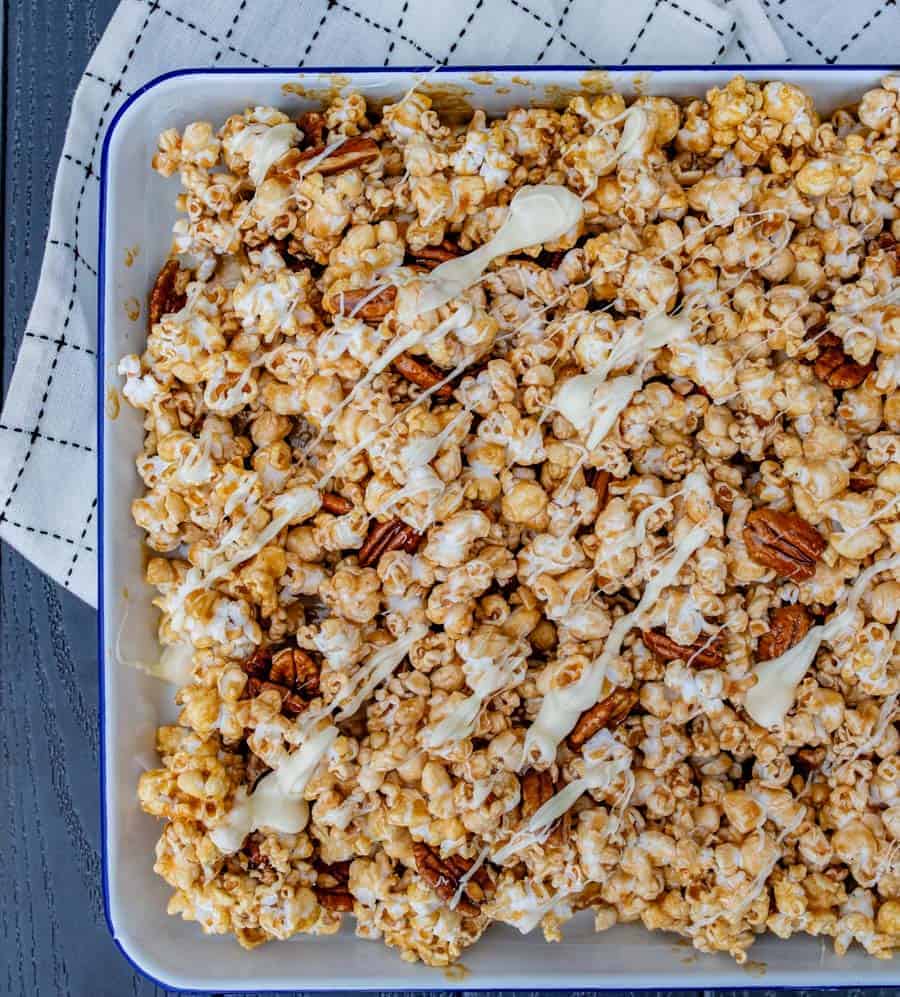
<point x="135" y="231"/>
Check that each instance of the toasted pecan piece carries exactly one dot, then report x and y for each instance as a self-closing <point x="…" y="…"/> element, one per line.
<point x="600" y="484"/>
<point x="312" y="124"/>
<point x="537" y="788"/>
<point x="165" y="297"/>
<point x="703" y="653"/>
<point x="347" y="302"/>
<point x="290" y="672"/>
<point x="430" y="257"/>
<point x="788" y="625"/>
<point x="338" y="898"/>
<point x="783" y="541"/>
<point x="348" y="155"/>
<point x="608" y="713"/>
<point x="443" y="877"/>
<point x="837" y="370"/>
<point x="425" y="375"/>
<point x="392" y="535"/>
<point x="331" y="886"/>
<point x="860" y="483"/>
<point x="337" y="505"/>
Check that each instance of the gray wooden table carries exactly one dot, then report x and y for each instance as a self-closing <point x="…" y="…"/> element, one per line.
<point x="53" y="938"/>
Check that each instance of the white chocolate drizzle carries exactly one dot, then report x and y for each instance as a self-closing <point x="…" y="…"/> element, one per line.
<point x="605" y="759"/>
<point x="538" y="214"/>
<point x="267" y="807"/>
<point x="561" y="707"/>
<point x="777" y="679"/>
<point x="593" y="402"/>
<point x="486" y="676"/>
<point x="282" y="807"/>
<point x="269" y="148"/>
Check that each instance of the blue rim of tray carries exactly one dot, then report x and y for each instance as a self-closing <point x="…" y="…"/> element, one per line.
<point x="294" y="72"/>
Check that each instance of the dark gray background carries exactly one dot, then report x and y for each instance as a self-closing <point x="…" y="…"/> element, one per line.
<point x="53" y="938"/>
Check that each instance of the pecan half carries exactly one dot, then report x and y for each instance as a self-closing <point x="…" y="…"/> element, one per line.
<point x="537" y="788"/>
<point x="296" y="669"/>
<point x="433" y="256"/>
<point x="331" y="886"/>
<point x="347" y="156"/>
<point x="346" y="303"/>
<point x="392" y="535"/>
<point x="702" y="653"/>
<point x="337" y="505"/>
<point x="788" y="625"/>
<point x="783" y="541"/>
<point x="292" y="673"/>
<point x="608" y="713"/>
<point x="259" y="663"/>
<point x="860" y="483"/>
<point x="423" y="374"/>
<point x="312" y="124"/>
<point x="165" y="298"/>
<point x="443" y="877"/>
<point x="838" y="371"/>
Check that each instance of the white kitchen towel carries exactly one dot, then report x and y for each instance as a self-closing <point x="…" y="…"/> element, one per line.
<point x="48" y="499"/>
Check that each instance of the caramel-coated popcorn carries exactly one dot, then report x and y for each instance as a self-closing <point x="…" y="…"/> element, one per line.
<point x="570" y="583"/>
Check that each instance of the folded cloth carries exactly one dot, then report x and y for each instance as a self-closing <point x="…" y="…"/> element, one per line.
<point x="47" y="429"/>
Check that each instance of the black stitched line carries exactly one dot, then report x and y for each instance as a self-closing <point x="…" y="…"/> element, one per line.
<point x="109" y="83"/>
<point x="87" y="167"/>
<point x="78" y="256"/>
<point x="228" y="34"/>
<point x="553" y="31"/>
<point x="61" y="342"/>
<point x="644" y="27"/>
<point x="390" y="50"/>
<point x="694" y="17"/>
<point x="381" y="27"/>
<point x="796" y="30"/>
<point x="724" y="44"/>
<point x="742" y="47"/>
<point x="47" y="533"/>
<point x="81" y="545"/>
<point x="44" y="436"/>
<point x="464" y="29"/>
<point x="315" y="35"/>
<point x="562" y="34"/>
<point x="865" y="27"/>
<point x="206" y="34"/>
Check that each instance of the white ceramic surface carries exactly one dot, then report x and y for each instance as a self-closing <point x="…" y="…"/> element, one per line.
<point x="137" y="212"/>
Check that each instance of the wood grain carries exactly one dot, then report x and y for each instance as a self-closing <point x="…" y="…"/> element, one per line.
<point x="53" y="938"/>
